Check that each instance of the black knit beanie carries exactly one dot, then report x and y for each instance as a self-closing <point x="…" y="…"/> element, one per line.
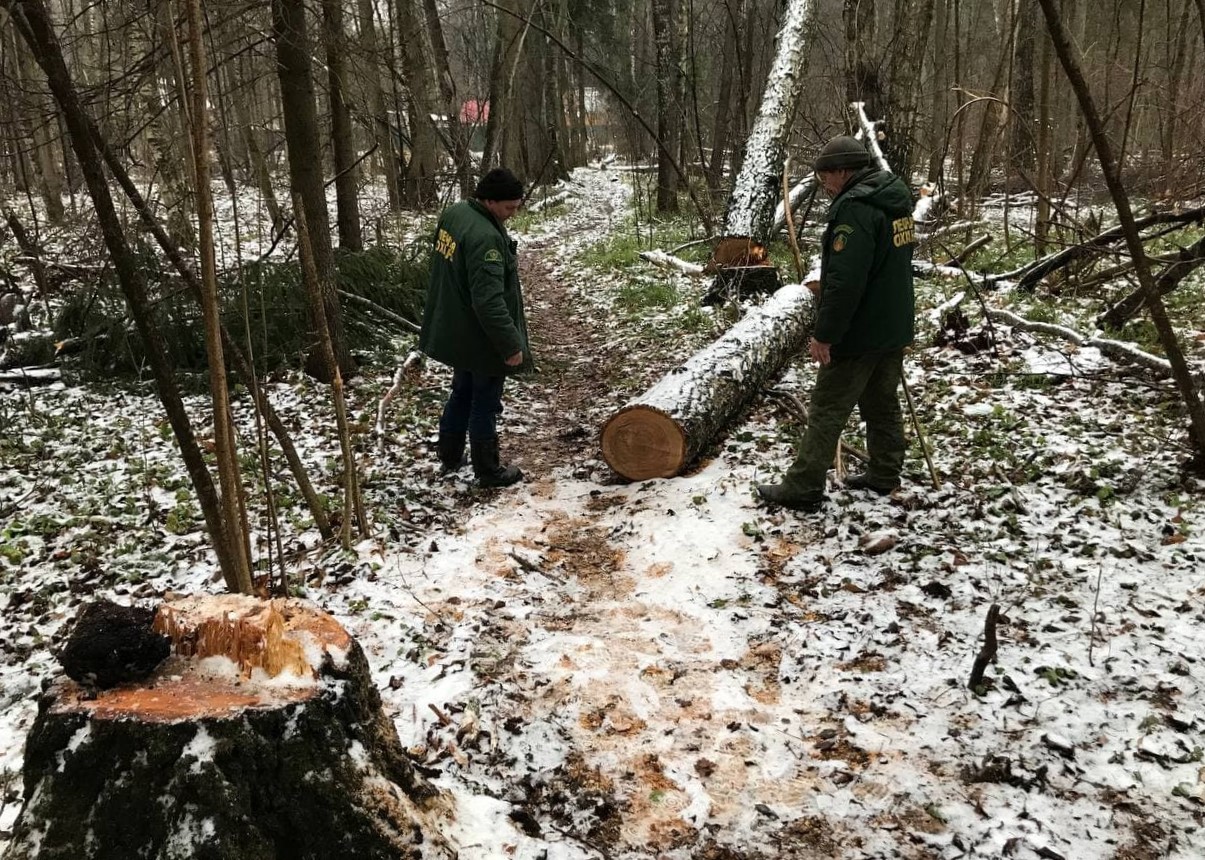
<point x="499" y="184"/>
<point x="841" y="153"/>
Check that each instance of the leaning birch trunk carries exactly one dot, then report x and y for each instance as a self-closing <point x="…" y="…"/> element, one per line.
<point x="661" y="431"/>
<point x="740" y="260"/>
<point x="757" y="189"/>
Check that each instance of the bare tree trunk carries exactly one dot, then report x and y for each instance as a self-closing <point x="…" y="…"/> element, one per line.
<point x="941" y="97"/>
<point x="234" y="511"/>
<point x="38" y="32"/>
<point x="353" y="507"/>
<point x="383" y="132"/>
<point x="1171" y="101"/>
<point x="421" y="185"/>
<point x="457" y="133"/>
<point x="39" y="120"/>
<point x="665" y="27"/>
<point x="347" y="205"/>
<point x="305" y="171"/>
<point x="1045" y="177"/>
<point x="1104" y="151"/>
<point x="1021" y="94"/>
<point x="722" y="121"/>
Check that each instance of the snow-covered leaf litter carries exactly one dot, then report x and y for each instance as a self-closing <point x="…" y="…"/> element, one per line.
<point x="642" y="670"/>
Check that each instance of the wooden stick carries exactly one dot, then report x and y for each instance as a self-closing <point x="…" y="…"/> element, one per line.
<point x="920" y="434"/>
<point x="786" y="203"/>
<point x="988" y="652"/>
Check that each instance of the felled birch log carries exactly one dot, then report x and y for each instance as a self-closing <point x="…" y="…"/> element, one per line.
<point x="659" y="433"/>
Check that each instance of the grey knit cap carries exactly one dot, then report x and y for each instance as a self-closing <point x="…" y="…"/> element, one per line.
<point x="842" y="153"/>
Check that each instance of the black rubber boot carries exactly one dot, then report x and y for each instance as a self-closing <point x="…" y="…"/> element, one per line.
<point x="781" y="494"/>
<point x="451" y="451"/>
<point x="865" y="482"/>
<point x="486" y="466"/>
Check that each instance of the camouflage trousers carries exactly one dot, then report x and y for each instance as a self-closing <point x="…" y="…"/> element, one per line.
<point x="870" y="382"/>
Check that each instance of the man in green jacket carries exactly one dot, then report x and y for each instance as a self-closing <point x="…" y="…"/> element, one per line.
<point x="864" y="320"/>
<point x="474" y="322"/>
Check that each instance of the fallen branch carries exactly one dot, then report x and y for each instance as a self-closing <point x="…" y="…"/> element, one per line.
<point x="791" y="402"/>
<point x="667" y="261"/>
<point x="961" y="256"/>
<point x="385" y="312"/>
<point x="1115" y="349"/>
<point x="1028" y="276"/>
<point x="409" y="370"/>
<point x="1185" y="263"/>
<point x="545" y="202"/>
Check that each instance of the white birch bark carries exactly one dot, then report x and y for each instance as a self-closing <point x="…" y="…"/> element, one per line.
<point x="667" y="261"/>
<point x="751" y="206"/>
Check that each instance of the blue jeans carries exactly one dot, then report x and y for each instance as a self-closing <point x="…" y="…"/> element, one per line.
<point x="473" y="405"/>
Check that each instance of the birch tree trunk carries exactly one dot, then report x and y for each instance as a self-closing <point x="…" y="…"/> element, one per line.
<point x="751" y="205"/>
<point x="660" y="432"/>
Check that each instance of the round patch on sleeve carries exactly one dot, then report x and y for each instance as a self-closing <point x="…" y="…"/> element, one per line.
<point x="838" y="244"/>
<point x="493" y="255"/>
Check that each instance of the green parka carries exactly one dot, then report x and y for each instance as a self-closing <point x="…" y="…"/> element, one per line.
<point x="474" y="318"/>
<point x="866" y="301"/>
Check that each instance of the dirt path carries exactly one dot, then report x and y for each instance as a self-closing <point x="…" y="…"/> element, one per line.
<point x="566" y="401"/>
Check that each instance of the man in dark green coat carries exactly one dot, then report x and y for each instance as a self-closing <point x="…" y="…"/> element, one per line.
<point x="474" y="322"/>
<point x="864" y="320"/>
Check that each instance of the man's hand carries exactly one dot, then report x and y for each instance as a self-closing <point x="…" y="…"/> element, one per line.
<point x="819" y="351"/>
<point x="515" y="360"/>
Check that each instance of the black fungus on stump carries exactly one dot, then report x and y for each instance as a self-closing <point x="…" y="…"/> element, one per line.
<point x="112" y="644"/>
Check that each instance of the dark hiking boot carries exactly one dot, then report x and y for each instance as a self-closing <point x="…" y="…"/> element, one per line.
<point x="451" y="451"/>
<point x="780" y="494"/>
<point x="486" y="466"/>
<point x="865" y="482"/>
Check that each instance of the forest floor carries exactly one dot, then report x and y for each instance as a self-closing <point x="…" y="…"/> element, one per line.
<point x="666" y="669"/>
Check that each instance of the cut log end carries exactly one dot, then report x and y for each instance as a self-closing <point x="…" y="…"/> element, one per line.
<point x="642" y="442"/>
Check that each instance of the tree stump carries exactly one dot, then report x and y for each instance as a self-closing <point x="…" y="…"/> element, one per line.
<point x="657" y="434"/>
<point x="261" y="736"/>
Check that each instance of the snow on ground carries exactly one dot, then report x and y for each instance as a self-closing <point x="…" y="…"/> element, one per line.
<point x="666" y="669"/>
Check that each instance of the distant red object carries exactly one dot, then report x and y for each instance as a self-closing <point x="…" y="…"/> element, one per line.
<point x="473" y="111"/>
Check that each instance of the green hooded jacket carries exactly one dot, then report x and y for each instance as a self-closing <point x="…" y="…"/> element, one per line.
<point x="474" y="318"/>
<point x="866" y="301"/>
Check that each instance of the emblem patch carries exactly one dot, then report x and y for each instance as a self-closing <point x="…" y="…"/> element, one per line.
<point x="493" y="255"/>
<point x="841" y="234"/>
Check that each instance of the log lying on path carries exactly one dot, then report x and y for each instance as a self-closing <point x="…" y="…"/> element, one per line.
<point x="261" y="737"/>
<point x="657" y="434"/>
